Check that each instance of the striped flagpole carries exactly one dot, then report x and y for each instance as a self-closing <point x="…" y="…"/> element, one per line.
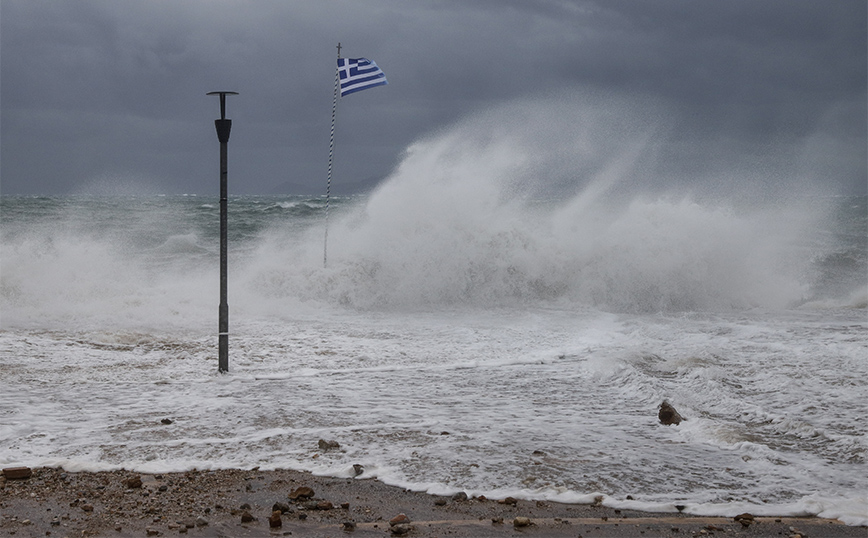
<point x="325" y="248"/>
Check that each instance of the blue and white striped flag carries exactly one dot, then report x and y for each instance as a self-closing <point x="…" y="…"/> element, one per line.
<point x="359" y="74"/>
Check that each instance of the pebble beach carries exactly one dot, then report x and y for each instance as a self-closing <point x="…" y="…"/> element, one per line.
<point x="53" y="502"/>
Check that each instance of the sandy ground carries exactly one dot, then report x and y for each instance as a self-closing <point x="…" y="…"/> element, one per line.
<point x="53" y="502"/>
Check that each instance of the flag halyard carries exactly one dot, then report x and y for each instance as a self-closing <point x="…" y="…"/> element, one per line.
<point x="357" y="74"/>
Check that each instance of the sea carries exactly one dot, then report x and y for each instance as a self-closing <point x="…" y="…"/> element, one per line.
<point x="454" y="333"/>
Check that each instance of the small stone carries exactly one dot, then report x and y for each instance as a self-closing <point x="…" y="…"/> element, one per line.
<point x="460" y="496"/>
<point x="245" y="506"/>
<point x="274" y="521"/>
<point x="133" y="482"/>
<point x="246" y="517"/>
<point x="201" y="522"/>
<point x="87" y="508"/>
<point x="17" y="473"/>
<point x="349" y="526"/>
<point x="440" y="501"/>
<point x="282" y="507"/>
<point x="508" y="500"/>
<point x="358" y="469"/>
<point x="521" y="522"/>
<point x="400" y="530"/>
<point x="345" y="506"/>
<point x="303" y="492"/>
<point x="152" y="532"/>
<point x="166" y="421"/>
<point x="399" y="520"/>
<point x="324" y="505"/>
<point x="497" y="521"/>
<point x="745" y="519"/>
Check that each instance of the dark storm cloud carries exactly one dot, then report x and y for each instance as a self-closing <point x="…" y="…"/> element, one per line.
<point x="113" y="92"/>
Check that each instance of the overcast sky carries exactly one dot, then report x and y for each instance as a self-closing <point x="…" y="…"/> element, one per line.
<point x="97" y="95"/>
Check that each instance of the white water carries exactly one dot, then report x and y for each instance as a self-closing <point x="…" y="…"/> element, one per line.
<point x="539" y="329"/>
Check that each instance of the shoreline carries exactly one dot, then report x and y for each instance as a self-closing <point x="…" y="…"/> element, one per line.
<point x="54" y="502"/>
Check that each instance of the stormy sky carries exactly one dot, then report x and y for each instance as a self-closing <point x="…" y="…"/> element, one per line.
<point x="108" y="96"/>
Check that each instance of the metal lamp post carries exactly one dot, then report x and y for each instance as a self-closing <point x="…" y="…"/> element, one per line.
<point x="223" y="127"/>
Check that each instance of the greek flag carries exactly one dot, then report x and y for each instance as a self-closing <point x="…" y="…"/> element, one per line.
<point x="359" y="74"/>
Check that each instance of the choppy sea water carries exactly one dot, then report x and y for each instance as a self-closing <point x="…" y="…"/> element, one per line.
<point x="462" y="337"/>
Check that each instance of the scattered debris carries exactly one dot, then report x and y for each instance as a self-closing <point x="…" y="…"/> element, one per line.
<point x="327" y="445"/>
<point x="17" y="473"/>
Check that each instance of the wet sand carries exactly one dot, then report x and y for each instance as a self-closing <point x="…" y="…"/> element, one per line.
<point x="53" y="502"/>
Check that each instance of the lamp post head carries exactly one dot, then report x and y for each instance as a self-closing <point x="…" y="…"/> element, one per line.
<point x="222" y="101"/>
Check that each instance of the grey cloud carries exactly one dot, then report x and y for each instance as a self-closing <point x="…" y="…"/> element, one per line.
<point x="92" y="88"/>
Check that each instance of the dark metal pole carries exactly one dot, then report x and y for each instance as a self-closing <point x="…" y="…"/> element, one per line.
<point x="223" y="126"/>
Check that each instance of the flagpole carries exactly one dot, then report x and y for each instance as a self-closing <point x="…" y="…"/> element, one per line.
<point x="331" y="154"/>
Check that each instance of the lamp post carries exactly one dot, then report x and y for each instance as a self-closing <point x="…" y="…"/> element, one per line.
<point x="223" y="127"/>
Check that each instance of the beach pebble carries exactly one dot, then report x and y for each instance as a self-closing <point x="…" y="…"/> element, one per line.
<point x="282" y="507"/>
<point x="303" y="492"/>
<point x="133" y="482"/>
<point x="399" y="520"/>
<point x="358" y="469"/>
<point x="460" y="496"/>
<point x="349" y="526"/>
<point x="508" y="500"/>
<point x="745" y="519"/>
<point x="400" y="530"/>
<point x="521" y="522"/>
<point x="274" y="520"/>
<point x="247" y="517"/>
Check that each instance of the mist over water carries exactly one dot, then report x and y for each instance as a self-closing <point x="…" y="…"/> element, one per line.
<point x="537" y="203"/>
